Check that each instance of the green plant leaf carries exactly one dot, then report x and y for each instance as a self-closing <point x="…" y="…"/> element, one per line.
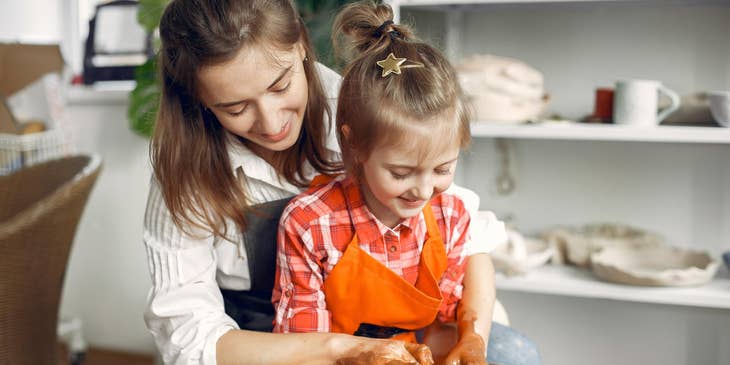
<point x="144" y="99"/>
<point x="149" y="13"/>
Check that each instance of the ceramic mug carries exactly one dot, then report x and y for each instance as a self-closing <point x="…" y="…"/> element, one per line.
<point x="635" y="102"/>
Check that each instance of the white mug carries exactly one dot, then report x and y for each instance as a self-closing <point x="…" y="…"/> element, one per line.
<point x="635" y="102"/>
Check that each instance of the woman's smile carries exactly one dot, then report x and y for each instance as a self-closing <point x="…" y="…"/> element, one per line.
<point x="283" y="133"/>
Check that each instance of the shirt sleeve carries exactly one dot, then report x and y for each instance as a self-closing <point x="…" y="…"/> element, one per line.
<point x="485" y="230"/>
<point x="457" y="221"/>
<point x="331" y="82"/>
<point x="298" y="295"/>
<point x="185" y="311"/>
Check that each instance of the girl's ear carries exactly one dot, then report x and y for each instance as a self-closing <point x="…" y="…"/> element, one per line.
<point x="347" y="140"/>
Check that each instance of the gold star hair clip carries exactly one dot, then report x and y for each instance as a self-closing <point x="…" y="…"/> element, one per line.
<point x="393" y="65"/>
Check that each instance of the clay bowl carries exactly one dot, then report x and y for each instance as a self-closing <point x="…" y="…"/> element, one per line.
<point x="654" y="266"/>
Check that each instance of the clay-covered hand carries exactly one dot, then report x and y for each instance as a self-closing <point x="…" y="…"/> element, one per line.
<point x="387" y="352"/>
<point x="469" y="350"/>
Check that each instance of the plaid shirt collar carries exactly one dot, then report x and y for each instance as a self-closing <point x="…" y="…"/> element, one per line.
<point x="368" y="227"/>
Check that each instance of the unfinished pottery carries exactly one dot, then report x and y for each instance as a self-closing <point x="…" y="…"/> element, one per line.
<point x="520" y="254"/>
<point x="654" y="266"/>
<point x="574" y="245"/>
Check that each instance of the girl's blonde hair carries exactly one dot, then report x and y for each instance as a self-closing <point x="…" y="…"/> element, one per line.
<point x="377" y="110"/>
<point x="188" y="149"/>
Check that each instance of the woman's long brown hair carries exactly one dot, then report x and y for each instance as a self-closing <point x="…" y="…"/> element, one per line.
<point x="189" y="149"/>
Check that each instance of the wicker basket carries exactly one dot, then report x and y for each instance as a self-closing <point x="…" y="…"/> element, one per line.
<point x="18" y="151"/>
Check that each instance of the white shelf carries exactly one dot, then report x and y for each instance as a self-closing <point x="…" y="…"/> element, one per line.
<point x="602" y="132"/>
<point x="110" y="92"/>
<point x="576" y="282"/>
<point x="487" y="2"/>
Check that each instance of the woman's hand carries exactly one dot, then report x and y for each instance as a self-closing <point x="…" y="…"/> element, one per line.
<point x="386" y="352"/>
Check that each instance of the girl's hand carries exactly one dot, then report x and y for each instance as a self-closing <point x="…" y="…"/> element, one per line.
<point x="386" y="352"/>
<point x="470" y="350"/>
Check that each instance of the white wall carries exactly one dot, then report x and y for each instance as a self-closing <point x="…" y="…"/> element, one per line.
<point x="30" y="19"/>
<point x="107" y="278"/>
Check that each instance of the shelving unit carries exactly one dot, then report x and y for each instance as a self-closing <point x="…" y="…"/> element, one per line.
<point x="671" y="179"/>
<point x="604" y="132"/>
<point x="576" y="282"/>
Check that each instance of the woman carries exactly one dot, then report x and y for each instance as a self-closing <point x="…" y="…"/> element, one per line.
<point x="244" y="124"/>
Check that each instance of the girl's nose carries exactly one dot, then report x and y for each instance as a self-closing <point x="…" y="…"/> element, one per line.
<point x="424" y="189"/>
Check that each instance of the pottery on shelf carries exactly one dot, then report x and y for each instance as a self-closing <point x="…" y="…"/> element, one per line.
<point x="654" y="266"/>
<point x="520" y="254"/>
<point x="574" y="245"/>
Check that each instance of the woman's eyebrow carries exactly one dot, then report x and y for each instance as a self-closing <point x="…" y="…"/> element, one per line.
<point x="278" y="78"/>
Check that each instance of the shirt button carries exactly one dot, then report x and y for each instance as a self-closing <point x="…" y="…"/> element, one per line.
<point x="393" y="248"/>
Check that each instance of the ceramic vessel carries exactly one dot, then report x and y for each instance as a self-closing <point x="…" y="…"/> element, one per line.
<point x="520" y="254"/>
<point x="574" y="245"/>
<point x="654" y="266"/>
<point x="720" y="107"/>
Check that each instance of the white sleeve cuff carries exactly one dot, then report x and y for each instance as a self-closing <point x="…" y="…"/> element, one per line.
<point x="211" y="343"/>
<point x="487" y="232"/>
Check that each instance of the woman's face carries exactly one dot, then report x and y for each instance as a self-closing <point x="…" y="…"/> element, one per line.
<point x="260" y="95"/>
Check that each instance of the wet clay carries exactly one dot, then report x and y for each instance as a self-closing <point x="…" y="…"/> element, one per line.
<point x="370" y="358"/>
<point x="420" y="352"/>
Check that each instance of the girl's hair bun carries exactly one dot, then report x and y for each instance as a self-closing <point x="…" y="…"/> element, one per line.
<point x="363" y="27"/>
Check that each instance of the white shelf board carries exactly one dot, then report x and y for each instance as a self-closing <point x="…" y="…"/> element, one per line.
<point x="424" y="3"/>
<point x="577" y="282"/>
<point x="109" y="92"/>
<point x="602" y="132"/>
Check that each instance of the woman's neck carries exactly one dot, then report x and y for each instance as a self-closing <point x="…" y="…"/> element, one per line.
<point x="266" y="154"/>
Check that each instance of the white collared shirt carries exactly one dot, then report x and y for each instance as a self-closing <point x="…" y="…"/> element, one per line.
<point x="185" y="311"/>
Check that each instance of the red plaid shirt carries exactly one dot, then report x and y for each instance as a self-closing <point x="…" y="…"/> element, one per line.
<point x="315" y="230"/>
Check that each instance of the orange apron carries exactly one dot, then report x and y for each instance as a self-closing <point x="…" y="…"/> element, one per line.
<point x="361" y="290"/>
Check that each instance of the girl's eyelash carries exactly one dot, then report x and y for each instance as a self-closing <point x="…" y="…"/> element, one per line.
<point x="283" y="89"/>
<point x="398" y="176"/>
<point x="444" y="172"/>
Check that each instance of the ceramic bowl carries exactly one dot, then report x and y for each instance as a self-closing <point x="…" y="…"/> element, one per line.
<point x="574" y="245"/>
<point x="521" y="254"/>
<point x="720" y="107"/>
<point x="654" y="266"/>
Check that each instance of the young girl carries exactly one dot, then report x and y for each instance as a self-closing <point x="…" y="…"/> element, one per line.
<point x="380" y="252"/>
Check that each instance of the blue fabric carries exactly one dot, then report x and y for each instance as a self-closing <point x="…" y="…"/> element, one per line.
<point x="509" y="347"/>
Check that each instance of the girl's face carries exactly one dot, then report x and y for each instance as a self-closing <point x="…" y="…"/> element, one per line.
<point x="397" y="184"/>
<point x="260" y="95"/>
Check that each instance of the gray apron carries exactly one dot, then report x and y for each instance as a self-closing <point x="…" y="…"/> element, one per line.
<point x="252" y="309"/>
